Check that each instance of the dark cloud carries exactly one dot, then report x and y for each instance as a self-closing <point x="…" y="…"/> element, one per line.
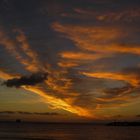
<point x="26" y="80"/>
<point x="29" y="113"/>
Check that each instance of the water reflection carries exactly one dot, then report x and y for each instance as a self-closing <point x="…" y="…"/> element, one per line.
<point x="31" y="131"/>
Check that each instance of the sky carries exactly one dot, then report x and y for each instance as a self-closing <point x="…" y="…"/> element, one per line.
<point x="69" y="60"/>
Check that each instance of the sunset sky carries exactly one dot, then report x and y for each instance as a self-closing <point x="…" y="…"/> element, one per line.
<point x="69" y="60"/>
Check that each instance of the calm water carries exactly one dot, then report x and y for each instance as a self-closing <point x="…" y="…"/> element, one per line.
<point x="30" y="131"/>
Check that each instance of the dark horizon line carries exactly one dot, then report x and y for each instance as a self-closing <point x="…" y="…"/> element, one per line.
<point x="92" y="123"/>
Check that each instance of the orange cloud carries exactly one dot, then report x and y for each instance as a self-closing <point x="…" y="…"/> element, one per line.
<point x="121" y="48"/>
<point x="97" y="39"/>
<point x="59" y="83"/>
<point x="13" y="46"/>
<point x="67" y="64"/>
<point x="87" y="34"/>
<point x="34" y="63"/>
<point x="59" y="103"/>
<point x="80" y="56"/>
<point x="4" y="75"/>
<point x="122" y="98"/>
<point x="114" y="76"/>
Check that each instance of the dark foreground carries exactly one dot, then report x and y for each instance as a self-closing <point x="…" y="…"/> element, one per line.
<point x="40" y="131"/>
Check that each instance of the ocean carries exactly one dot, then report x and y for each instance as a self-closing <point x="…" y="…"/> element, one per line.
<point x="44" y="131"/>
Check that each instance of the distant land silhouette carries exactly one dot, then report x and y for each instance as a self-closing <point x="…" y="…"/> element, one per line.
<point x="114" y="123"/>
<point x="123" y="124"/>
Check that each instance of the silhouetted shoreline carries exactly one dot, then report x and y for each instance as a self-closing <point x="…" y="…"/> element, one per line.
<point x="123" y="124"/>
<point x="18" y="121"/>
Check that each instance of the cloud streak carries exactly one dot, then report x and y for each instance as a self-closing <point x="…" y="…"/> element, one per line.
<point x="105" y="40"/>
<point x="114" y="76"/>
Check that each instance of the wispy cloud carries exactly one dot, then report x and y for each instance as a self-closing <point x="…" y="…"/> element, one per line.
<point x="114" y="76"/>
<point x="127" y="15"/>
<point x="105" y="40"/>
